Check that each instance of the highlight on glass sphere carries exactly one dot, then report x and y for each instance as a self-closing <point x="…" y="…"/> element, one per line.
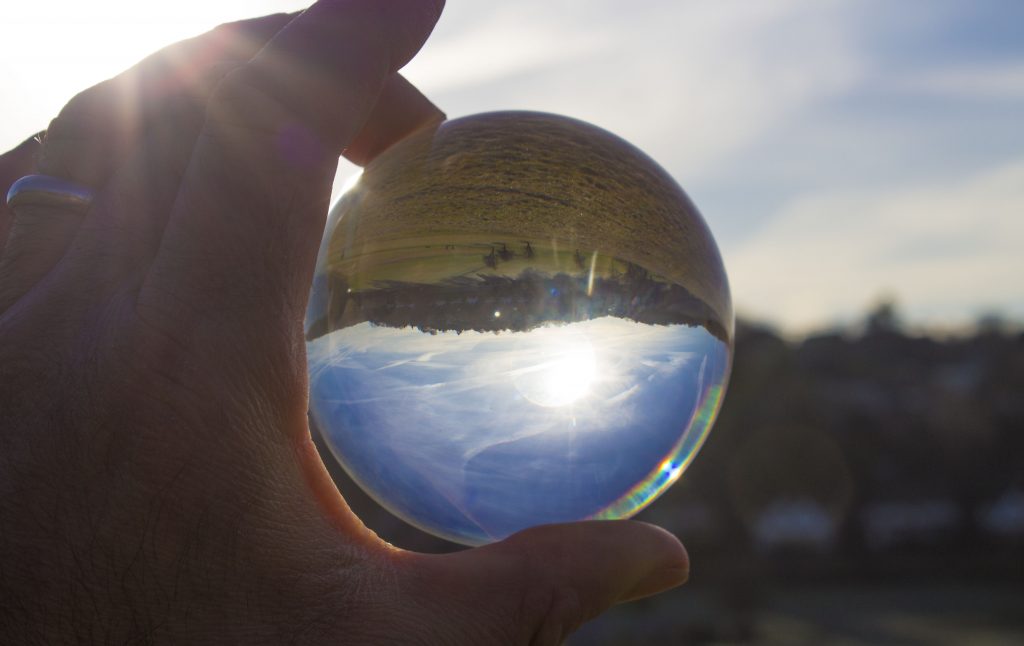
<point x="516" y="319"/>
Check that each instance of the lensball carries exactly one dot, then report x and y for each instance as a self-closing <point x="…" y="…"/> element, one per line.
<point x="516" y="319"/>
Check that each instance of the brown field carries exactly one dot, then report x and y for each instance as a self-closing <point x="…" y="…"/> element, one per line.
<point x="512" y="177"/>
<point x="434" y="258"/>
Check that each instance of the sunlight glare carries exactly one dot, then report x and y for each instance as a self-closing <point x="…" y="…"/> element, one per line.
<point x="564" y="373"/>
<point x="75" y="45"/>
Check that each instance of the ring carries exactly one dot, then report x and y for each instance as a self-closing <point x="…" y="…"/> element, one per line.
<point x="47" y="190"/>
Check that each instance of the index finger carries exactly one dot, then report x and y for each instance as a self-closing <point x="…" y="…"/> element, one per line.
<point x="98" y="127"/>
<point x="243" y="236"/>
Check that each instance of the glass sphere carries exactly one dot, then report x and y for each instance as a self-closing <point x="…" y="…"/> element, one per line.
<point x="516" y="319"/>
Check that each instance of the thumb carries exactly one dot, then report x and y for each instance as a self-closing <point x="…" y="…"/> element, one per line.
<point x="539" y="585"/>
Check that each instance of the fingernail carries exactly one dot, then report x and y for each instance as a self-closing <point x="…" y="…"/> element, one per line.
<point x="657" y="581"/>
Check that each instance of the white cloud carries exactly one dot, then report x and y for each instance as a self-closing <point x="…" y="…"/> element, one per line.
<point x="1004" y="80"/>
<point x="689" y="83"/>
<point x="502" y="43"/>
<point x="945" y="252"/>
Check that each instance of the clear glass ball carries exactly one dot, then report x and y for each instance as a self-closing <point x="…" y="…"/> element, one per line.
<point x="516" y="319"/>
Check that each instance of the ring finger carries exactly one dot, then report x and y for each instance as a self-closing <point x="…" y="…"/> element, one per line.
<point x="37" y="238"/>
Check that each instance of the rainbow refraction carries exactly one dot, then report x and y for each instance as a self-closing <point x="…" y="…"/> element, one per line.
<point x="647" y="490"/>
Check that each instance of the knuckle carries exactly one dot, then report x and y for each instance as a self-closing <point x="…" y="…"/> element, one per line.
<point x="83" y="143"/>
<point x="550" y="614"/>
<point x="240" y="102"/>
<point x="548" y="609"/>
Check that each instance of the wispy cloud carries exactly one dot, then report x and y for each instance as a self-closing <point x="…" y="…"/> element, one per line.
<point x="687" y="82"/>
<point x="976" y="82"/>
<point x="500" y="44"/>
<point x="945" y="251"/>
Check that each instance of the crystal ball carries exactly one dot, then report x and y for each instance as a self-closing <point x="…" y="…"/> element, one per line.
<point x="516" y="319"/>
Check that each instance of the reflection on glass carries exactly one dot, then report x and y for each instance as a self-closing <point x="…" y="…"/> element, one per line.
<point x="516" y="319"/>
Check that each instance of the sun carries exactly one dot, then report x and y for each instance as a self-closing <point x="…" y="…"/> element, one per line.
<point x="559" y="372"/>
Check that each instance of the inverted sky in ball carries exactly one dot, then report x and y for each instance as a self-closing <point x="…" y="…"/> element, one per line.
<point x="516" y="319"/>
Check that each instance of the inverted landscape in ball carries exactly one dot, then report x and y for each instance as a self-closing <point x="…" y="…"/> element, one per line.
<point x="516" y="319"/>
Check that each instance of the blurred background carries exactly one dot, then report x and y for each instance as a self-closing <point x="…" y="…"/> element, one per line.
<point x="861" y="164"/>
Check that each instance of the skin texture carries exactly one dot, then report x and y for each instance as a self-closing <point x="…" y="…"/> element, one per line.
<point x="158" y="482"/>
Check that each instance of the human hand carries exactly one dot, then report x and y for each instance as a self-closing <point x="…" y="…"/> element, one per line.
<point x="157" y="476"/>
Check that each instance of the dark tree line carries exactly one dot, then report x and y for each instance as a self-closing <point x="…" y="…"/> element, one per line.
<point x="877" y="427"/>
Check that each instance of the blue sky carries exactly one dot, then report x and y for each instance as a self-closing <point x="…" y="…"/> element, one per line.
<point x="480" y="434"/>
<point x="842" y="151"/>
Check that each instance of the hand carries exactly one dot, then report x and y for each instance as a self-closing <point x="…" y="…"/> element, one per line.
<point x="157" y="476"/>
